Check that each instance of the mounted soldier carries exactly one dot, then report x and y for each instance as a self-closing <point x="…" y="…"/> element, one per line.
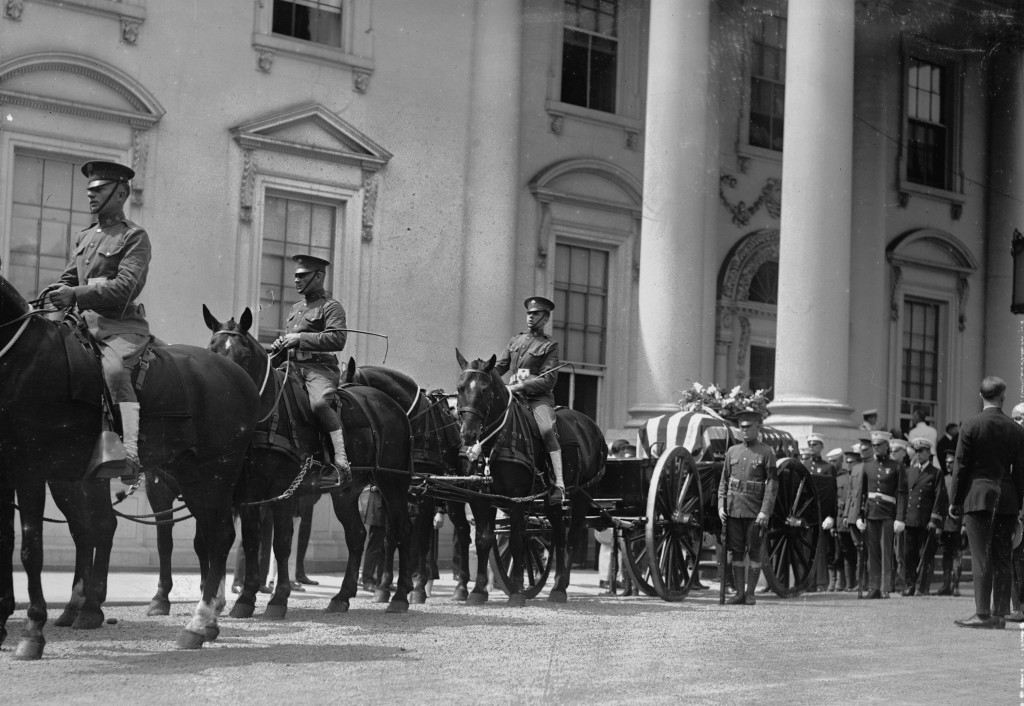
<point x="315" y="330"/>
<point x="105" y="276"/>
<point x="534" y="355"/>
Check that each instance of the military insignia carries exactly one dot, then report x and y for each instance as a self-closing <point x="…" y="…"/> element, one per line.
<point x="888" y="471"/>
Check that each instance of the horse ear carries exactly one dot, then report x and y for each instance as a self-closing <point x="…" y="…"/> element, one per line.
<point x="350" y="370"/>
<point x="245" y="321"/>
<point x="490" y="363"/>
<point x="211" y="321"/>
<point x="462" y="361"/>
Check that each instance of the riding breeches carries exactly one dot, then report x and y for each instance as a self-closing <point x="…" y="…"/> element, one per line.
<point x="119" y="354"/>
<point x="544" y="413"/>
<point x="322" y="385"/>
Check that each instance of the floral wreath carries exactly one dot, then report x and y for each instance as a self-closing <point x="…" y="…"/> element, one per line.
<point x="709" y="398"/>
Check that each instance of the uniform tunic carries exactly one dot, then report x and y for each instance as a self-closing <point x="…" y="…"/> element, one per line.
<point x="538" y="353"/>
<point x="315" y="320"/>
<point x="922" y="484"/>
<point x="884" y="489"/>
<point x="750" y="480"/>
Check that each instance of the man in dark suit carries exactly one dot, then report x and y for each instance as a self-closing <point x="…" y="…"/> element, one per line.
<point x="987" y="489"/>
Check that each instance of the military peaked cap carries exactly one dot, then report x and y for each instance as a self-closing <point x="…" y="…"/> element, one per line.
<point x="100" y="173"/>
<point x="308" y="263"/>
<point x="539" y="304"/>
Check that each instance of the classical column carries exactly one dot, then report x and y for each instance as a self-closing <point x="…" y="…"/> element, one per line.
<point x="1003" y="349"/>
<point x="491" y="187"/>
<point x="671" y="350"/>
<point x="814" y="270"/>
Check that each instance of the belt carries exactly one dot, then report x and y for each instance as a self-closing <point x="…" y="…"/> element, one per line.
<point x="746" y="486"/>
<point x="881" y="496"/>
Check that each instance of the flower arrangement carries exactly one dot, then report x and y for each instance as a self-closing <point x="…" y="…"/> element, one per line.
<point x="729" y="405"/>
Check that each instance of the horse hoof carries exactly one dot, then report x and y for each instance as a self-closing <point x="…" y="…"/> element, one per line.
<point x="516" y="600"/>
<point x="67" y="618"/>
<point x="275" y="611"/>
<point x="30" y="648"/>
<point x="188" y="640"/>
<point x="557" y="597"/>
<point x="397" y="606"/>
<point x="381" y="596"/>
<point x="242" y="610"/>
<point x="158" y="607"/>
<point x="418" y="596"/>
<point x="212" y="633"/>
<point x="88" y="620"/>
<point x="476" y="598"/>
<point x="460" y="593"/>
<point x="337" y="606"/>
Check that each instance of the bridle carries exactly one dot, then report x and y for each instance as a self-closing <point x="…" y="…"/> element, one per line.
<point x="486" y="413"/>
<point x="266" y="373"/>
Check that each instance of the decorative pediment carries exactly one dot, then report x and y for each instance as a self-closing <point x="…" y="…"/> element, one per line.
<point x="930" y="249"/>
<point x="313" y="132"/>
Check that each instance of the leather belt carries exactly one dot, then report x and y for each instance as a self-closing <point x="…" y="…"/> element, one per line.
<point x="881" y="496"/>
<point x="746" y="486"/>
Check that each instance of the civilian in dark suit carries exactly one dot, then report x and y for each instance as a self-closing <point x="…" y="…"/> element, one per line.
<point x="987" y="489"/>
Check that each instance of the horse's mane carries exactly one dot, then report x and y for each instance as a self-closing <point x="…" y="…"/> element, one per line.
<point x="12" y="304"/>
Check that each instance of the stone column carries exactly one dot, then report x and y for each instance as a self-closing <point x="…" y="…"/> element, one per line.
<point x="814" y="268"/>
<point x="671" y="346"/>
<point x="488" y="298"/>
<point x="1003" y="349"/>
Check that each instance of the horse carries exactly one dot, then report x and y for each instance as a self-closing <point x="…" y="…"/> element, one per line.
<point x="377" y="442"/>
<point x="491" y="417"/>
<point x="435" y="451"/>
<point x="197" y="436"/>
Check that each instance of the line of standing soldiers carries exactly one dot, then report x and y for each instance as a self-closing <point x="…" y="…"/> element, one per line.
<point x="884" y="505"/>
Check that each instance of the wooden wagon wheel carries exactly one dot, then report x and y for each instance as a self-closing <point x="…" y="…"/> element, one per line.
<point x="787" y="555"/>
<point x="636" y="559"/>
<point x="538" y="555"/>
<point x="675" y="524"/>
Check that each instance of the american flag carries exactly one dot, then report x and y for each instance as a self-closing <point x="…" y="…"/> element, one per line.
<point x="704" y="435"/>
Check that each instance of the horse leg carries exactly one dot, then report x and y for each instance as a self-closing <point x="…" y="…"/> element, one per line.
<point x="245" y="604"/>
<point x="483" y="515"/>
<point x="284" y="529"/>
<point x="32" y="503"/>
<point x="517" y="548"/>
<point x="457" y="514"/>
<point x="346" y="509"/>
<point x="161" y="499"/>
<point x="420" y="546"/>
<point x="562" y="546"/>
<point x="6" y="556"/>
<point x="387" y="568"/>
<point x="93" y="523"/>
<point x="399" y="529"/>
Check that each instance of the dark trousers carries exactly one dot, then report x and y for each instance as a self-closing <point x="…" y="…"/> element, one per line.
<point x="860" y="543"/>
<point x="1017" y="594"/>
<point x="880" y="554"/>
<point x="917" y="538"/>
<point x="744" y="536"/>
<point x="373" y="558"/>
<point x="991" y="540"/>
<point x="846" y="554"/>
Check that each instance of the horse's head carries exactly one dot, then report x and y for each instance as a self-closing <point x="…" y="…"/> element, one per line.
<point x="12" y="304"/>
<point x="478" y="388"/>
<point x="233" y="341"/>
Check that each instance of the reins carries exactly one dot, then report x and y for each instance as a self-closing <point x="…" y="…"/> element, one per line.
<point x="266" y="375"/>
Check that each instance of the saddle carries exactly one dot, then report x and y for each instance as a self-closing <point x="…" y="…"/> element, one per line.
<point x="434" y="440"/>
<point x="520" y="442"/>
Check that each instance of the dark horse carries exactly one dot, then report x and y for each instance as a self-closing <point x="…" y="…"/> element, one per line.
<point x="47" y="434"/>
<point x="377" y="441"/>
<point x="493" y="418"/>
<point x="435" y="451"/>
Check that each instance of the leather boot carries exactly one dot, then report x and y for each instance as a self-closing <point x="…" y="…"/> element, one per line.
<point x="738" y="578"/>
<point x="558" y="492"/>
<point x="341" y="474"/>
<point x="130" y="439"/>
<point x="840" y="579"/>
<point x="753" y="574"/>
<point x="851" y="578"/>
<point x="831" y="581"/>
<point x="947" y="588"/>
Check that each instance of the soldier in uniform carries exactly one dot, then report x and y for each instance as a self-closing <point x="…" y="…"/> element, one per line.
<point x="870" y="422"/>
<point x="105" y="276"/>
<point x="898" y="453"/>
<point x="532" y="355"/>
<point x="922" y="482"/>
<point x="315" y="329"/>
<point x="844" y="565"/>
<point x="852" y="509"/>
<point x="950" y="532"/>
<point x="824" y="480"/>
<point x="746" y="495"/>
<point x="884" y="497"/>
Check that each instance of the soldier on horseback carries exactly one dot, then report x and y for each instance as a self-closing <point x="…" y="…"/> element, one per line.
<point x="533" y="354"/>
<point x="316" y="329"/>
<point x="105" y="276"/>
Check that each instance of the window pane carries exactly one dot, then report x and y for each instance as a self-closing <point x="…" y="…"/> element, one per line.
<point x="313" y="20"/>
<point x="574" y="69"/>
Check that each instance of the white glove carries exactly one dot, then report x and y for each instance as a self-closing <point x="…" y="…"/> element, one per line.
<point x="438" y="520"/>
<point x="898" y="526"/>
<point x="861" y="524"/>
<point x="828" y="524"/>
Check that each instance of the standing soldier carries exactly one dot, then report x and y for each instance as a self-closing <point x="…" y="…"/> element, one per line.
<point x="949" y="530"/>
<point x="898" y="452"/>
<point x="853" y="508"/>
<point x="884" y="494"/>
<point x="315" y="330"/>
<point x="824" y="480"/>
<point x="533" y="355"/>
<point x="105" y="276"/>
<point x="746" y="495"/>
<point x="845" y="564"/>
<point x="922" y="481"/>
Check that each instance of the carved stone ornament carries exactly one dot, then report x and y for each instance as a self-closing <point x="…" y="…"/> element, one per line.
<point x="632" y="139"/>
<point x="543" y="235"/>
<point x="369" y="204"/>
<point x="896" y="293"/>
<point x="248" y="186"/>
<point x="13" y="9"/>
<point x="360" y="80"/>
<point x="962" y="286"/>
<point x="904" y="199"/>
<point x="956" y="210"/>
<point x="741" y="350"/>
<point x="264" y="60"/>
<point x="140" y="153"/>
<point x="130" y="30"/>
<point x="770" y="198"/>
<point x="557" y="123"/>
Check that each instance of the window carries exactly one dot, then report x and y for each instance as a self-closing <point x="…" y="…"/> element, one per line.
<point x="927" y="124"/>
<point x="590" y="48"/>
<point x="764" y="287"/>
<point x="768" y="81"/>
<point x="921" y="345"/>
<point x="313" y="20"/>
<point x="291" y="225"/>
<point x="762" y="370"/>
<point x="49" y="208"/>
<point x="581" y="324"/>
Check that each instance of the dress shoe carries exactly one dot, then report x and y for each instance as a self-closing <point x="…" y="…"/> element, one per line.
<point x="602" y="584"/>
<point x="236" y="588"/>
<point x="944" y="591"/>
<point x="909" y="591"/>
<point x="302" y="578"/>
<point x="738" y="599"/>
<point x="1015" y="617"/>
<point x="997" y="622"/>
<point x="874" y="593"/>
<point x="885" y="594"/>
<point x="265" y="589"/>
<point x="977" y="621"/>
<point x="698" y="586"/>
<point x="296" y="586"/>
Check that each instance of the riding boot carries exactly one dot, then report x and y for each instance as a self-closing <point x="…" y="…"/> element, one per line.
<point x="831" y="581"/>
<point x="753" y="574"/>
<point x="130" y="439"/>
<point x="840" y="578"/>
<point x="946" y="589"/>
<point x="558" y="493"/>
<point x="341" y="474"/>
<point x="738" y="580"/>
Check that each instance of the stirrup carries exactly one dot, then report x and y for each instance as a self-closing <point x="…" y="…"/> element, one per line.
<point x="132" y="470"/>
